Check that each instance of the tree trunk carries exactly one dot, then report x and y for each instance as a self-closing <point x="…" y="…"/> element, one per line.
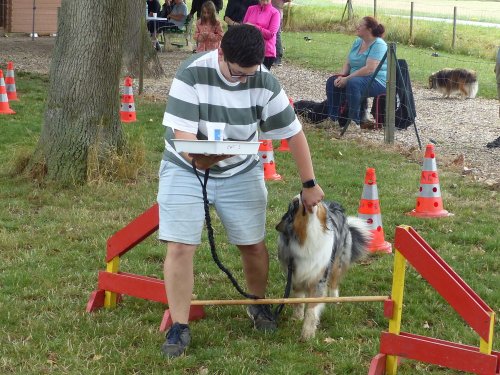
<point x="136" y="33"/>
<point x="82" y="113"/>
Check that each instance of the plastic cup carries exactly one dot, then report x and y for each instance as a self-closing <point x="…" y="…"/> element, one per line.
<point x="215" y="131"/>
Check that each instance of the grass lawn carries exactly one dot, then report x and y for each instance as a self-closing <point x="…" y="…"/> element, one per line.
<point x="53" y="243"/>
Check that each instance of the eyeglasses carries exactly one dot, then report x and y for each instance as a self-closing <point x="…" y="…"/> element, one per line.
<point x="241" y="75"/>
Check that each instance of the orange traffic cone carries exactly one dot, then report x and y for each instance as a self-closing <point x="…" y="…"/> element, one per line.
<point x="4" y="99"/>
<point x="369" y="211"/>
<point x="283" y="146"/>
<point x="267" y="156"/>
<point x="127" y="111"/>
<point x="429" y="201"/>
<point x="10" y="82"/>
<point x="284" y="143"/>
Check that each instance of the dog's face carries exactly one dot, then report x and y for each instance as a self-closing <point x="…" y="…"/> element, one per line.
<point x="294" y="223"/>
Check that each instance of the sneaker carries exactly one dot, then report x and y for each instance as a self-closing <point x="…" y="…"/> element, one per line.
<point x="178" y="339"/>
<point x="262" y="317"/>
<point x="158" y="46"/>
<point x="495" y="143"/>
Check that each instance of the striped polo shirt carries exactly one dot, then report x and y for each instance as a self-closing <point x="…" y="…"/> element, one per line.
<point x="200" y="94"/>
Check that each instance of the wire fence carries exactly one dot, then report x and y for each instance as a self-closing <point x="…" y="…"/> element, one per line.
<point x="485" y="12"/>
<point x="456" y="28"/>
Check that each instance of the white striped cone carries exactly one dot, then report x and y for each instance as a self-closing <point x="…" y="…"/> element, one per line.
<point x="4" y="99"/>
<point x="10" y="82"/>
<point x="429" y="201"/>
<point x="266" y="154"/>
<point x="369" y="212"/>
<point x="127" y="109"/>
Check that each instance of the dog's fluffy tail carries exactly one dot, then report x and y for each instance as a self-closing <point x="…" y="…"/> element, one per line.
<point x="474" y="87"/>
<point x="360" y="236"/>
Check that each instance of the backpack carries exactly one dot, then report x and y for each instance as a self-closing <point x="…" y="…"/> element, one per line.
<point x="316" y="112"/>
<point x="405" y="103"/>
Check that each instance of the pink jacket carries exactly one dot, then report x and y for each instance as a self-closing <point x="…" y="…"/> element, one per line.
<point x="208" y="37"/>
<point x="267" y="19"/>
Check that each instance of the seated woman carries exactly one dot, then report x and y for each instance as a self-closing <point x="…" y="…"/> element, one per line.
<point x="175" y="19"/>
<point x="366" y="53"/>
<point x="153" y="6"/>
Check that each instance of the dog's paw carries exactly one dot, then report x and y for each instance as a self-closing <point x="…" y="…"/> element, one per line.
<point x="307" y="334"/>
<point x="298" y="312"/>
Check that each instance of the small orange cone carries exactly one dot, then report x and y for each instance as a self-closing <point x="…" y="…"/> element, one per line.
<point x="284" y="143"/>
<point x="369" y="211"/>
<point x="283" y="146"/>
<point x="429" y="201"/>
<point x="10" y="82"/>
<point x="266" y="154"/>
<point x="4" y="99"/>
<point x="127" y="110"/>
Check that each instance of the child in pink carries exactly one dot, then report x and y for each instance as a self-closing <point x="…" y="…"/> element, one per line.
<point x="208" y="32"/>
<point x="266" y="18"/>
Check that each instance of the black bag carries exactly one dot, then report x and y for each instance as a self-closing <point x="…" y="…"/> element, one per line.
<point x="405" y="103"/>
<point x="314" y="112"/>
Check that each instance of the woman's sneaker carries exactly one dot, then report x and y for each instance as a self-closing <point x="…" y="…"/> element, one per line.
<point x="262" y="317"/>
<point x="178" y="339"/>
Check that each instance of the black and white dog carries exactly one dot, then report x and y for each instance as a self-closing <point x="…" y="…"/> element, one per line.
<point x="322" y="245"/>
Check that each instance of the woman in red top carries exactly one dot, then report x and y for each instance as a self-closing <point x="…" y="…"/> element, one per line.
<point x="208" y="32"/>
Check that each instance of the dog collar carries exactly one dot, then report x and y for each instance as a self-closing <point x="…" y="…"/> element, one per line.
<point x="309" y="183"/>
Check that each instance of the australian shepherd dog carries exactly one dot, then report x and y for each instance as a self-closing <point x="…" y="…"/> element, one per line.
<point x="450" y="81"/>
<point x="321" y="246"/>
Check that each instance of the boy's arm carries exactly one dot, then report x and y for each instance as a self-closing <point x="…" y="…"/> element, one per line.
<point x="300" y="151"/>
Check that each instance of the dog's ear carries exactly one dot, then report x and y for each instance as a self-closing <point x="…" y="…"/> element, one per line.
<point x="287" y="218"/>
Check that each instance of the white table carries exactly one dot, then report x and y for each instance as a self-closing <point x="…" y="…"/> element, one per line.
<point x="155" y="19"/>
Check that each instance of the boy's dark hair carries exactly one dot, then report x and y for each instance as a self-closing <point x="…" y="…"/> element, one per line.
<point x="243" y="45"/>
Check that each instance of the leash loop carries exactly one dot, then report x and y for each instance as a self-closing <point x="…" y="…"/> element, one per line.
<point x="211" y="240"/>
<point x="210" y="232"/>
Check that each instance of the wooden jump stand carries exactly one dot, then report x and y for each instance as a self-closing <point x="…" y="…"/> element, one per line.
<point x="480" y="317"/>
<point x="111" y="284"/>
<point x="409" y="246"/>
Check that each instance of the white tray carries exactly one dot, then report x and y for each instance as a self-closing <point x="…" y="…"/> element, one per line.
<point x="216" y="147"/>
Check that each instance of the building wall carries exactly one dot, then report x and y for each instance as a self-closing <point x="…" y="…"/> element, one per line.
<point x="20" y="16"/>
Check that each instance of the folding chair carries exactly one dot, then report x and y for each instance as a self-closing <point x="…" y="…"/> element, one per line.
<point x="169" y="33"/>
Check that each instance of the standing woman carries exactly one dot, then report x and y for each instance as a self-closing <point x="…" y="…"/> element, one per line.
<point x="236" y="10"/>
<point x="266" y="18"/>
<point x="366" y="53"/>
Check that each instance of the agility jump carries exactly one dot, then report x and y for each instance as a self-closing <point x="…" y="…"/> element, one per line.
<point x="393" y="344"/>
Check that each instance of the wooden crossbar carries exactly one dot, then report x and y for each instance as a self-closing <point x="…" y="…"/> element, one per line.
<point x="266" y="301"/>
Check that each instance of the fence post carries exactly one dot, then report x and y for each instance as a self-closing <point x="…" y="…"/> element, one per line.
<point x="390" y="97"/>
<point x="348" y="7"/>
<point x="374" y="8"/>
<point x="411" y="22"/>
<point x="33" y="24"/>
<point x="288" y="15"/>
<point x="454" y="27"/>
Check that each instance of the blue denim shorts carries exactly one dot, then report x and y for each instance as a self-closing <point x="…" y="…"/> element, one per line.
<point x="240" y="202"/>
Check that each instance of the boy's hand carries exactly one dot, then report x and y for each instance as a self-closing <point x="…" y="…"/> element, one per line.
<point x="203" y="161"/>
